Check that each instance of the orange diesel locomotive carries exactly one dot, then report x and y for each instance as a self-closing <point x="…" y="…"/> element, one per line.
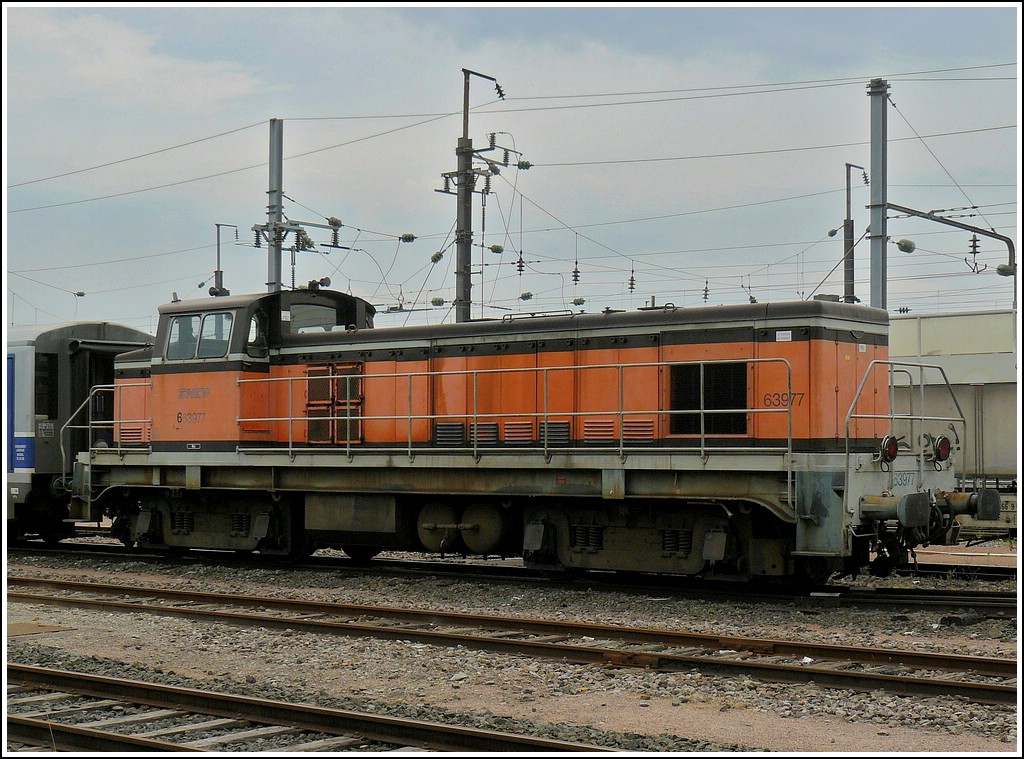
<point x="731" y="441"/>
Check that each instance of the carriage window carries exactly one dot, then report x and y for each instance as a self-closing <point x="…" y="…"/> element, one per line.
<point x="304" y="317"/>
<point x="46" y="385"/>
<point x="725" y="387"/>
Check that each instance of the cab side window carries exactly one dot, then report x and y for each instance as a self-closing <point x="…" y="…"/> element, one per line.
<point x="256" y="343"/>
<point x="199" y="336"/>
<point x="184" y="337"/>
<point x="213" y="342"/>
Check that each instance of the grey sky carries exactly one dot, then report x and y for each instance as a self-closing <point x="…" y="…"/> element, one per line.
<point x="622" y="181"/>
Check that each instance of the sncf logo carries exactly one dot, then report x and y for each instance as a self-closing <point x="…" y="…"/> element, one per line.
<point x="192" y="392"/>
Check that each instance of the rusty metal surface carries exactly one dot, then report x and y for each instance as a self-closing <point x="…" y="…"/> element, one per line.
<point x="303" y="716"/>
<point x="564" y="640"/>
<point x="16" y="629"/>
<point x="60" y="737"/>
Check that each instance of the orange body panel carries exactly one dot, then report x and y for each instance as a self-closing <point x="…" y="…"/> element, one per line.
<point x="389" y="396"/>
<point x="512" y="395"/>
<point x="132" y="408"/>
<point x="449" y="388"/>
<point x="503" y="393"/>
<point x="776" y="389"/>
<point x="196" y="406"/>
<point x="556" y="389"/>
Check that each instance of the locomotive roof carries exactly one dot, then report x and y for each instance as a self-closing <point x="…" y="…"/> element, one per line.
<point x="695" y="314"/>
<point x="227" y="302"/>
<point x="793" y="311"/>
<point x="30" y="333"/>
<point x="842" y="315"/>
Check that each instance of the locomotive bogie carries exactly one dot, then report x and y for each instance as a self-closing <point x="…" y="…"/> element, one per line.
<point x="713" y="539"/>
<point x="214" y="520"/>
<point x="44" y="512"/>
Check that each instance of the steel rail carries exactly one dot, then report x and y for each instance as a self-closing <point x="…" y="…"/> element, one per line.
<point x="302" y="716"/>
<point x="960" y="571"/>
<point x="640" y="635"/>
<point x="60" y="737"/>
<point x="588" y="654"/>
<point x="987" y="602"/>
<point x="995" y="603"/>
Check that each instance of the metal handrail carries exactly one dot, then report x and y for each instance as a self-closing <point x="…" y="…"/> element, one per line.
<point x="91" y="424"/>
<point x="544" y="415"/>
<point x="541" y="445"/>
<point x="892" y="416"/>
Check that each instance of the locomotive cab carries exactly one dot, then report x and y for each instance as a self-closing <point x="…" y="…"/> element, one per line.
<point x="249" y="325"/>
<point x="204" y="390"/>
<point x="211" y="355"/>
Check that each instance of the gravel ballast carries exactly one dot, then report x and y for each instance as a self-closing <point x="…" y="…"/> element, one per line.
<point x="630" y="709"/>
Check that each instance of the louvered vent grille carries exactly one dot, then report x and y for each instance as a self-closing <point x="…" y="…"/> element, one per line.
<point x="450" y="433"/>
<point x="319" y="427"/>
<point x="484" y="433"/>
<point x="557" y="433"/>
<point x="133" y="433"/>
<point x="598" y="430"/>
<point x="318" y="384"/>
<point x="677" y="541"/>
<point x="520" y="433"/>
<point x="587" y="537"/>
<point x="638" y="429"/>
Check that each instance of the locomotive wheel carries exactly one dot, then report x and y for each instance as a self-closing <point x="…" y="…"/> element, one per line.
<point x="360" y="554"/>
<point x="436" y="528"/>
<point x="122" y="530"/>
<point x="811" y="571"/>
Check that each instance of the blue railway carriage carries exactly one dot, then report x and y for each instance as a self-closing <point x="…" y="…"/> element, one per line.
<point x="50" y="372"/>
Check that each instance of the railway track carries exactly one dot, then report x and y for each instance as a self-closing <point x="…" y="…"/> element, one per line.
<point x="987" y="603"/>
<point x="1002" y="603"/>
<point x="982" y="572"/>
<point x="982" y="679"/>
<point x="68" y="711"/>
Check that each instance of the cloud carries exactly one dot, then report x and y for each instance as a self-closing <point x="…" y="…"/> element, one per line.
<point x="87" y="56"/>
<point x="90" y="85"/>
